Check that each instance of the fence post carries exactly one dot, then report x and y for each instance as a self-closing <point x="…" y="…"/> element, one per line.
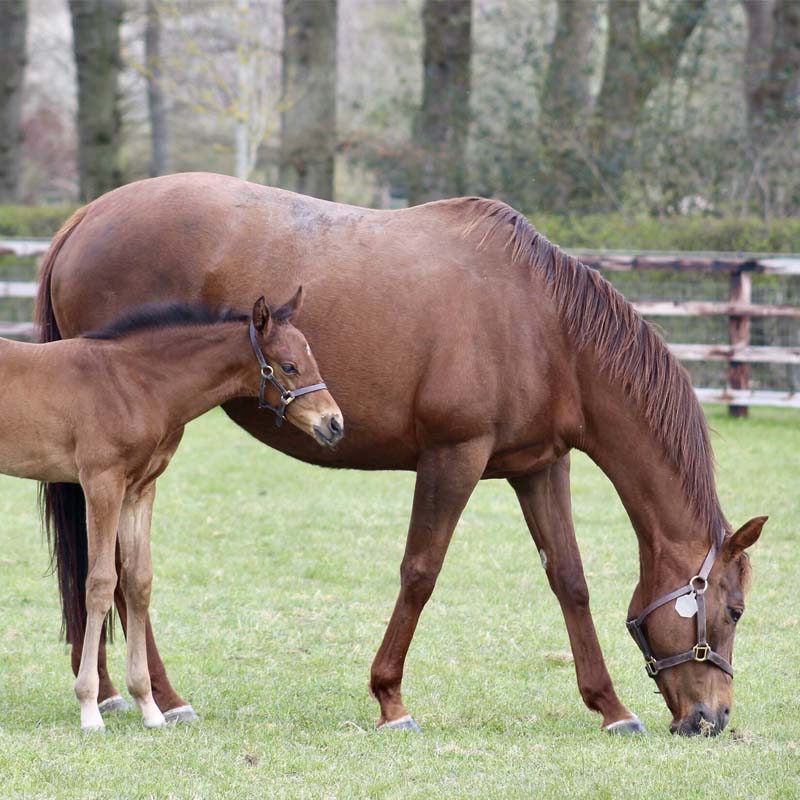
<point x="739" y="328"/>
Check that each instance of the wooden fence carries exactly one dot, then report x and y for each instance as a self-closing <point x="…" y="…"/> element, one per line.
<point x="739" y="309"/>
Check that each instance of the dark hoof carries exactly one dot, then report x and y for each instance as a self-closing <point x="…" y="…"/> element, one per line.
<point x="626" y="727"/>
<point x="113" y="704"/>
<point x="406" y="723"/>
<point x="180" y="715"/>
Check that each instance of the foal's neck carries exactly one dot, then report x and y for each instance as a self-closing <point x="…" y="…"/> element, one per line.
<point x="192" y="369"/>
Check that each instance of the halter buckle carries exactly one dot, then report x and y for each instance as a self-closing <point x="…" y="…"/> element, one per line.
<point x="650" y="666"/>
<point x="703" y="584"/>
<point x="701" y="652"/>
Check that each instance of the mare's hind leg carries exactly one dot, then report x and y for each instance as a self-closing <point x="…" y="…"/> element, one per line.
<point x="103" y="501"/>
<point x="545" y="500"/>
<point x="137" y="581"/>
<point x="446" y="477"/>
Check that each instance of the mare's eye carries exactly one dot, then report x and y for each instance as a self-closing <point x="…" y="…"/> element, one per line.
<point x="735" y="614"/>
<point x="289" y="369"/>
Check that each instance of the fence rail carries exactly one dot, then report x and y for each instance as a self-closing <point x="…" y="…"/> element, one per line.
<point x="739" y="309"/>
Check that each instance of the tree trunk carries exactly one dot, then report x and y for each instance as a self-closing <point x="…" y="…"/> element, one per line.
<point x="308" y="121"/>
<point x="771" y="79"/>
<point x="442" y="122"/>
<point x="565" y="105"/>
<point x="156" y="99"/>
<point x="95" y="28"/>
<point x="635" y="63"/>
<point x="13" y="27"/>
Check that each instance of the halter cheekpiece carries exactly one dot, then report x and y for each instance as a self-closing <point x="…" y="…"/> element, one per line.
<point x="268" y="376"/>
<point x="702" y="651"/>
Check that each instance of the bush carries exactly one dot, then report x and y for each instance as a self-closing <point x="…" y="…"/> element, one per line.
<point x="32" y="221"/>
<point x="697" y="234"/>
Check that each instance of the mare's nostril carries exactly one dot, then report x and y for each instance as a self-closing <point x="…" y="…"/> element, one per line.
<point x="336" y="426"/>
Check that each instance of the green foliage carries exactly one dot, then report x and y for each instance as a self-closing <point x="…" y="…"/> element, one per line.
<point x="32" y="221"/>
<point x="690" y="233"/>
<point x="274" y="582"/>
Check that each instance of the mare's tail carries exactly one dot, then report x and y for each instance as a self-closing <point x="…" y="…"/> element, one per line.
<point x="63" y="505"/>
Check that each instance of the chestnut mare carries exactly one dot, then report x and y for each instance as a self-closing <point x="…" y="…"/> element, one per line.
<point x="106" y="413"/>
<point x="463" y="345"/>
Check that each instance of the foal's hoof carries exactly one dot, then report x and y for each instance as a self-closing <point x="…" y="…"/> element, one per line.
<point x="93" y="728"/>
<point x="405" y="723"/>
<point x="181" y="714"/>
<point x="113" y="704"/>
<point x="626" y="727"/>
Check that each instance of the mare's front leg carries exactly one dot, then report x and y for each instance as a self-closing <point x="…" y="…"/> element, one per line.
<point x="104" y="495"/>
<point x="545" y="500"/>
<point x="446" y="477"/>
<point x="137" y="581"/>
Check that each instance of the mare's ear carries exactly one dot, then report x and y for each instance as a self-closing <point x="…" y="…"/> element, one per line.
<point x="261" y="316"/>
<point x="745" y="537"/>
<point x="295" y="304"/>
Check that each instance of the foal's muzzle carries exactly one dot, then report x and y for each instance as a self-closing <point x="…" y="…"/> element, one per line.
<point x="329" y="430"/>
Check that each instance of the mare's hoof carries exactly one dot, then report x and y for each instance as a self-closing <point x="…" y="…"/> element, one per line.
<point x="113" y="704"/>
<point x="181" y="714"/>
<point x="406" y="723"/>
<point x="626" y="727"/>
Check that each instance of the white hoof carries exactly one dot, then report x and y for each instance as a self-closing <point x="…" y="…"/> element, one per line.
<point x="626" y="727"/>
<point x="115" y="703"/>
<point x="181" y="714"/>
<point x="154" y="721"/>
<point x="91" y="719"/>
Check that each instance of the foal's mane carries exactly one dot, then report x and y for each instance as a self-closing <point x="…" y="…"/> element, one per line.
<point x="627" y="348"/>
<point x="165" y="315"/>
<point x="171" y="315"/>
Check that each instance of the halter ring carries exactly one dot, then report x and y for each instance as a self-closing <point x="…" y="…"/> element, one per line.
<point x="702" y="589"/>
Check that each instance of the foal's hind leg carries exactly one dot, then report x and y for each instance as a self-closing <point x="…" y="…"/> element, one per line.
<point x="446" y="477"/>
<point x="137" y="580"/>
<point x="545" y="500"/>
<point x="103" y="500"/>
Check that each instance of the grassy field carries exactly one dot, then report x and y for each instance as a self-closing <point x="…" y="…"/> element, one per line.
<point x="274" y="582"/>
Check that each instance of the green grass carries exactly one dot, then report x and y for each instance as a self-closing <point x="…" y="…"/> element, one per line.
<point x="274" y="582"/>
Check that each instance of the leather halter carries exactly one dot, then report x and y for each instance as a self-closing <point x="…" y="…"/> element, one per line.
<point x="268" y="376"/>
<point x="702" y="650"/>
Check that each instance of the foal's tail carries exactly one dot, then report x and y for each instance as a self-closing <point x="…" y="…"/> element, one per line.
<point x="63" y="505"/>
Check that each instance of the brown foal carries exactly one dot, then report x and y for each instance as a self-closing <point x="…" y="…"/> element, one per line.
<point x="463" y="345"/>
<point x="107" y="412"/>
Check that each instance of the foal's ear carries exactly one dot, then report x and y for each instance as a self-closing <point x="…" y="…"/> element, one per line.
<point x="261" y="317"/>
<point x="745" y="537"/>
<point x="295" y="304"/>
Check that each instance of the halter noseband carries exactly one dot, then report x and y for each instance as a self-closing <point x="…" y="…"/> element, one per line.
<point x="268" y="376"/>
<point x="702" y="650"/>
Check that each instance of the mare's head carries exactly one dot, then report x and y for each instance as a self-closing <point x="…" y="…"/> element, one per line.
<point x="290" y="369"/>
<point x="687" y="638"/>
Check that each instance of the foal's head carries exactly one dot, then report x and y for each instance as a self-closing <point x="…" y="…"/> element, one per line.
<point x="293" y="369"/>
<point x="698" y="689"/>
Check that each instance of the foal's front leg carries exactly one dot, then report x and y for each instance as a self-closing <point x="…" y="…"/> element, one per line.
<point x="137" y="580"/>
<point x="104" y="495"/>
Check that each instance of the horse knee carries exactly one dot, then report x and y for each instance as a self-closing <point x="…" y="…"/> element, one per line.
<point x="138" y="587"/>
<point x="100" y="586"/>
<point x="570" y="586"/>
<point x="417" y="579"/>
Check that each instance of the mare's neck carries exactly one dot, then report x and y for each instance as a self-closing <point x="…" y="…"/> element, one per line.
<point x="619" y="440"/>
<point x="189" y="370"/>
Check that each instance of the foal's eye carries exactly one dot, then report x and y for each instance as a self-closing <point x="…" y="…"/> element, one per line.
<point x="735" y="614"/>
<point x="289" y="369"/>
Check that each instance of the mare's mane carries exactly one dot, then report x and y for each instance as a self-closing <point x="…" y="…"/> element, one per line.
<point x="170" y="315"/>
<point x="627" y="348"/>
